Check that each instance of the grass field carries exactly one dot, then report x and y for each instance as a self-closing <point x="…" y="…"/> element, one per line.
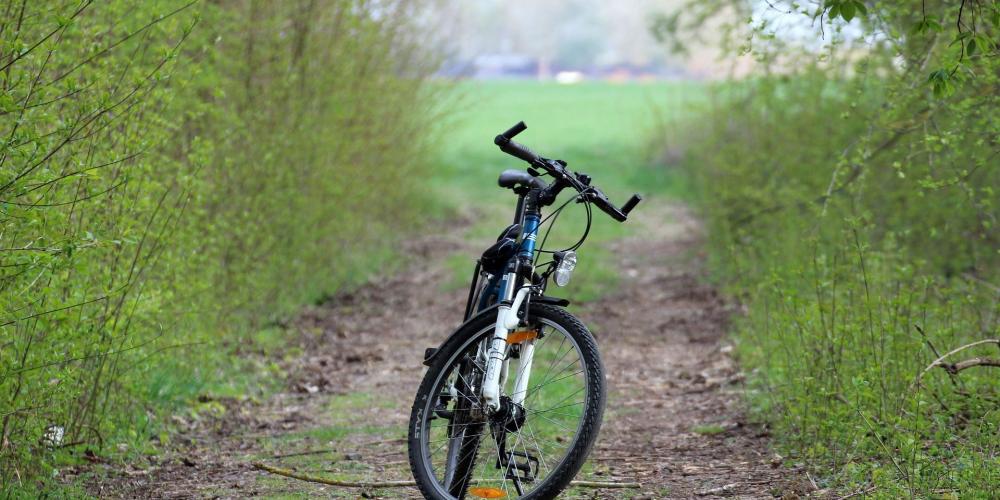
<point x="601" y="129"/>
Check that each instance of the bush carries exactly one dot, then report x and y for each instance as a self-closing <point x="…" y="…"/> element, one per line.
<point x="175" y="175"/>
<point x="851" y="206"/>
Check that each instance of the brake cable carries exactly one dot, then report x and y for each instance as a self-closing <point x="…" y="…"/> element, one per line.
<point x="555" y="215"/>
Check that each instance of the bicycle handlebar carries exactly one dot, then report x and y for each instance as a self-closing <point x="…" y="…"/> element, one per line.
<point x="512" y="148"/>
<point x="513" y="131"/>
<point x="601" y="200"/>
<point x="563" y="177"/>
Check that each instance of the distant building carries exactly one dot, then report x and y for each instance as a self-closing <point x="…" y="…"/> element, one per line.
<point x="521" y="66"/>
<point x="488" y="66"/>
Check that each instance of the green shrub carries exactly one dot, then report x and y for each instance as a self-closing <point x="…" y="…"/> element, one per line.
<point x="851" y="207"/>
<point x="174" y="175"/>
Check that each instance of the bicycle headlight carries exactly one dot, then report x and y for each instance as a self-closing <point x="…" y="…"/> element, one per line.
<point x="565" y="267"/>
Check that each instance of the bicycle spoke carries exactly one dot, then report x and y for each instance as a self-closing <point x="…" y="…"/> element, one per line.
<point x="545" y="435"/>
<point x="531" y="391"/>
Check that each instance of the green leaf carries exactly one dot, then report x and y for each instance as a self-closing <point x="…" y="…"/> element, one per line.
<point x="7" y="103"/>
<point x="970" y="48"/>
<point x="940" y="80"/>
<point x="847" y="11"/>
<point x="862" y="9"/>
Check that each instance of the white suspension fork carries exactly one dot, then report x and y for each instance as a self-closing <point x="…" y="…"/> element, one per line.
<point x="523" y="372"/>
<point x="507" y="320"/>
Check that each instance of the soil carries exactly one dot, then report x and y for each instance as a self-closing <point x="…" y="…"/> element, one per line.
<point x="675" y="420"/>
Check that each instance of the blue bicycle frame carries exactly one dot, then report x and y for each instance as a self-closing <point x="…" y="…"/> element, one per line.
<point x="497" y="286"/>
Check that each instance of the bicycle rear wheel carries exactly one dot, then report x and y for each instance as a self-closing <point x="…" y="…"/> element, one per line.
<point x="531" y="450"/>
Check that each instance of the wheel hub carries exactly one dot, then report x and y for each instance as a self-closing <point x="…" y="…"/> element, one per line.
<point x="510" y="416"/>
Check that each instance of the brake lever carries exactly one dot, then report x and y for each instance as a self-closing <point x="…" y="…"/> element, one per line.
<point x="589" y="195"/>
<point x="596" y="196"/>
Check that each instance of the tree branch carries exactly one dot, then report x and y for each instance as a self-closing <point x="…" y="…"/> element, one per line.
<point x="969" y="363"/>
<point x="954" y="368"/>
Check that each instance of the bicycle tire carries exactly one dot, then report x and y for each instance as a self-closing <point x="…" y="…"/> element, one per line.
<point x="560" y="476"/>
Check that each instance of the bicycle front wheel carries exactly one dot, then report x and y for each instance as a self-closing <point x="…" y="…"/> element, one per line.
<point x="531" y="449"/>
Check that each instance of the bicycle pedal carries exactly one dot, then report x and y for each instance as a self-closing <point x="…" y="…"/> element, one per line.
<point x="442" y="411"/>
<point x="528" y="468"/>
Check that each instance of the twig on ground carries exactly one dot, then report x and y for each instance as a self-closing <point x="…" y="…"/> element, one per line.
<point x="306" y="452"/>
<point x="812" y="481"/>
<point x="381" y="442"/>
<point x="604" y="484"/>
<point x="332" y="482"/>
<point x="859" y="492"/>
<point x="402" y="484"/>
<point x="320" y="451"/>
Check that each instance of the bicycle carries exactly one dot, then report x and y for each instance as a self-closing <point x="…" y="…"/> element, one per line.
<point x="474" y="430"/>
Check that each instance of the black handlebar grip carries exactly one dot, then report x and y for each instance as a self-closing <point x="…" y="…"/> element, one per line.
<point x="631" y="203"/>
<point x="595" y="196"/>
<point x="514" y="149"/>
<point x="513" y="131"/>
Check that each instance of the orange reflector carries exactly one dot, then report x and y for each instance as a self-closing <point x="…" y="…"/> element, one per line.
<point x="487" y="492"/>
<point x="521" y="336"/>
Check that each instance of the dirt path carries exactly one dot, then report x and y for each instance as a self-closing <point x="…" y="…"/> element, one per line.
<point x="674" y="420"/>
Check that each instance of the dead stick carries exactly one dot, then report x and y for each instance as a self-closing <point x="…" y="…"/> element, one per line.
<point x="400" y="484"/>
<point x="303" y="453"/>
<point x="969" y="363"/>
<point x="859" y="492"/>
<point x="332" y="482"/>
<point x="381" y="442"/>
<point x="604" y="484"/>
<point x="334" y="450"/>
<point x="954" y="351"/>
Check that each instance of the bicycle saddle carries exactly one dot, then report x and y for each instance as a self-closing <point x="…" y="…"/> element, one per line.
<point x="512" y="178"/>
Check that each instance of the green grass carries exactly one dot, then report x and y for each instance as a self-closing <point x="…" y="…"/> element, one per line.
<point x="345" y="412"/>
<point x="346" y="417"/>
<point x="708" y="429"/>
<point x="598" y="128"/>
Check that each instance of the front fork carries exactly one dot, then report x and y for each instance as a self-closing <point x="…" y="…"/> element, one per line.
<point x="496" y="356"/>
